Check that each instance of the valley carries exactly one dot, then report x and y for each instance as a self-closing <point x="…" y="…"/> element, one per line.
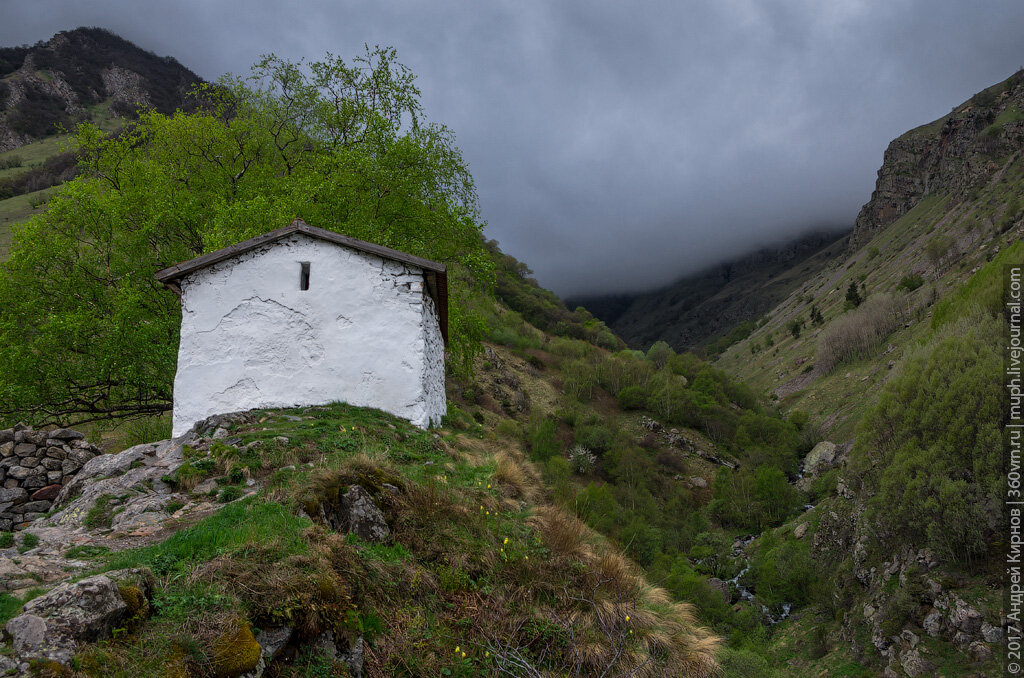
<point x="786" y="466"/>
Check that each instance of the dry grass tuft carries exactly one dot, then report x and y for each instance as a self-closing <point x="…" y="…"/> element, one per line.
<point x="564" y="534"/>
<point x="519" y="478"/>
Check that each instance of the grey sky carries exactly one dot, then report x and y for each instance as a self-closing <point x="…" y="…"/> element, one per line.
<point x="617" y="145"/>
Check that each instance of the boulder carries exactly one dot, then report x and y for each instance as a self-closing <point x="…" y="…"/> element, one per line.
<point x="722" y="587"/>
<point x="932" y="623"/>
<point x="13" y="495"/>
<point x="800" y="530"/>
<point x="980" y="652"/>
<point x="991" y="634"/>
<point x="820" y="458"/>
<point x="50" y="626"/>
<point x="913" y="664"/>
<point x="363" y="516"/>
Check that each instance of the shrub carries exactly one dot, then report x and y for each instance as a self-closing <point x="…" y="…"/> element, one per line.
<point x="660" y="353"/>
<point x="6" y="540"/>
<point x="930" y="448"/>
<point x="938" y="247"/>
<point x="542" y="440"/>
<point x="581" y="460"/>
<point x="594" y="437"/>
<point x="783" y="571"/>
<point x="632" y="398"/>
<point x="579" y="379"/>
<point x="910" y="282"/>
<point x="855" y="334"/>
<point x="685" y="364"/>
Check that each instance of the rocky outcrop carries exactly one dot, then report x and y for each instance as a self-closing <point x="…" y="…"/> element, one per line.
<point x="362" y="515"/>
<point x="35" y="466"/>
<point x="951" y="155"/>
<point x="50" y="627"/>
<point x="54" y="83"/>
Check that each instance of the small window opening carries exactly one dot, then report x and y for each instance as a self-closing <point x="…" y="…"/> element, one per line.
<point x="304" y="276"/>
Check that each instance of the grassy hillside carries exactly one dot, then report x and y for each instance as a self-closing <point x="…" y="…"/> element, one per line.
<point x="481" y="574"/>
<point x="901" y="272"/>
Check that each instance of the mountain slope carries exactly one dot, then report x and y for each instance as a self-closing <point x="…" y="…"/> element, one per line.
<point x="895" y="349"/>
<point x="697" y="309"/>
<point x="69" y="78"/>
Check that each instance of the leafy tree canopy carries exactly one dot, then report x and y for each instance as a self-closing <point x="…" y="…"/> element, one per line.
<point x="86" y="333"/>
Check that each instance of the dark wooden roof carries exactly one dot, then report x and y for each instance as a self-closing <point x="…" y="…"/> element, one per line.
<point x="436" y="274"/>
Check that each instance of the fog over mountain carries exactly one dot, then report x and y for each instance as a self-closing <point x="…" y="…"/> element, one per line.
<point x="617" y="147"/>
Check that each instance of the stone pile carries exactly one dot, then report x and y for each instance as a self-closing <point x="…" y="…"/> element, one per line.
<point x="34" y="467"/>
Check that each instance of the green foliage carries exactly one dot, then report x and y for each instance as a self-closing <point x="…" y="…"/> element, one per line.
<point x="542" y="440"/>
<point x="735" y="335"/>
<point x="101" y="513"/>
<point x="29" y="540"/>
<point x="983" y="291"/>
<point x="938" y="247"/>
<point x="229" y="494"/>
<point x="596" y="438"/>
<point x="795" y="326"/>
<point x="817" y="319"/>
<point x="631" y="398"/>
<point x="660" y="353"/>
<point x="783" y="571"/>
<point x="6" y="540"/>
<point x="753" y="499"/>
<point x="516" y="288"/>
<point x="342" y="146"/>
<point x="853" y="298"/>
<point x="929" y="450"/>
<point x="910" y="282"/>
<point x="692" y="587"/>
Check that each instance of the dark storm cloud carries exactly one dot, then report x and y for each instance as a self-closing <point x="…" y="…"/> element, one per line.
<point x="619" y="145"/>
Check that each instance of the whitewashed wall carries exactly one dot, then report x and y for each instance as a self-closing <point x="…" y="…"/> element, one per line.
<point x="365" y="333"/>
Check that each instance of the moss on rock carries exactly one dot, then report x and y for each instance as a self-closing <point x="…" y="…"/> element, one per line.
<point x="236" y="651"/>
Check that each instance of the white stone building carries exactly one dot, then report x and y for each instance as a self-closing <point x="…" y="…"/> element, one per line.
<point x="303" y="316"/>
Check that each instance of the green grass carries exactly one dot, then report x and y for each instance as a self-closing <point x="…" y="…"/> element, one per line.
<point x="13" y="211"/>
<point x="245" y="524"/>
<point x="38" y="151"/>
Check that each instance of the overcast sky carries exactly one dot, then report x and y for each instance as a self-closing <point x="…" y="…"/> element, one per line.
<point x="619" y="145"/>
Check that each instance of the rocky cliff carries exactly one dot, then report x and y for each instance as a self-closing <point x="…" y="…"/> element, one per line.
<point x="954" y="155"/>
<point x="66" y="79"/>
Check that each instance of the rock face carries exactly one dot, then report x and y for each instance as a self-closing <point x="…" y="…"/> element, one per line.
<point x="820" y="458"/>
<point x="50" y="626"/>
<point x="130" y="482"/>
<point x="77" y="69"/>
<point x="950" y="155"/>
<point x="363" y="516"/>
<point x="34" y="467"/>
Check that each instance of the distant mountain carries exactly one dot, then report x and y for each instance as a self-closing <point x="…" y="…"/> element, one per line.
<point x="83" y="74"/>
<point x="698" y="308"/>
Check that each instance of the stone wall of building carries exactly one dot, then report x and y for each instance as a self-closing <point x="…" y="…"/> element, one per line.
<point x="34" y="466"/>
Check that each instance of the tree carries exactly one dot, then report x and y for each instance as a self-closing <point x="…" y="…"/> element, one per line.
<point x="86" y="333"/>
<point x="660" y="353"/>
<point x="853" y="298"/>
